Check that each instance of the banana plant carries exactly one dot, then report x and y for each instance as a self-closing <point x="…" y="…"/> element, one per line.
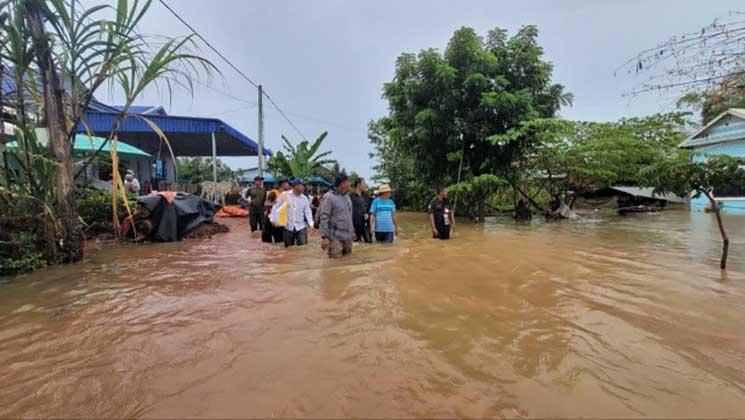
<point x="300" y="161"/>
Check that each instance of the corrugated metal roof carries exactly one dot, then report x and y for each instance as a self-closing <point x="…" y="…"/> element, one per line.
<point x="188" y="136"/>
<point x="143" y="109"/>
<point x="649" y="193"/>
<point x="696" y="140"/>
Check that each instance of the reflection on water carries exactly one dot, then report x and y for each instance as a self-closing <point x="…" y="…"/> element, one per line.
<point x="609" y="317"/>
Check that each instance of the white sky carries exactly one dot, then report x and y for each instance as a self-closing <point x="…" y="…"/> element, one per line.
<point x="325" y="61"/>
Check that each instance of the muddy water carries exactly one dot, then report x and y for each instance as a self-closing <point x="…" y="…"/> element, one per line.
<point x="611" y="317"/>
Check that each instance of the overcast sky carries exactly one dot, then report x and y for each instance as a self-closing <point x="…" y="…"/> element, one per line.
<point x="325" y="62"/>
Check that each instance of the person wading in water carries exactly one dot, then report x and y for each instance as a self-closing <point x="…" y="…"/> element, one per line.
<point x="256" y="199"/>
<point x="298" y="214"/>
<point x="441" y="217"/>
<point x="337" y="229"/>
<point x="383" y="216"/>
<point x="361" y="210"/>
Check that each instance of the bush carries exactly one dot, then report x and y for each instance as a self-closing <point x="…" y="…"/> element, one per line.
<point x="94" y="208"/>
<point x="19" y="253"/>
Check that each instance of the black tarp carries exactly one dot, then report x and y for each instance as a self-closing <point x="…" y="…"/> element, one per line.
<point x="172" y="220"/>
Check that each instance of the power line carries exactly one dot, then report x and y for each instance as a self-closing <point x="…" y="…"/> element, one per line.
<point x="274" y="104"/>
<point x="233" y="66"/>
<point x="230" y="111"/>
<point x="226" y="94"/>
<point x="212" y="47"/>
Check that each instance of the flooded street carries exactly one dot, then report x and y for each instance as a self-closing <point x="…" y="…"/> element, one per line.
<point x="610" y="317"/>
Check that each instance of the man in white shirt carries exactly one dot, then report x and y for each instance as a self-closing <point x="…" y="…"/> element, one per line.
<point x="298" y="214"/>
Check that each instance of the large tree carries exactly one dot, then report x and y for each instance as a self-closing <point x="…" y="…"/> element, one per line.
<point x="199" y="169"/>
<point x="445" y="107"/>
<point x="580" y="156"/>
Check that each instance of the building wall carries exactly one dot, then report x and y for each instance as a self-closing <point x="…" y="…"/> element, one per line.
<point x="734" y="149"/>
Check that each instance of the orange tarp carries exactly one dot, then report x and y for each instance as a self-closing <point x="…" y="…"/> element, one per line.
<point x="232" y="211"/>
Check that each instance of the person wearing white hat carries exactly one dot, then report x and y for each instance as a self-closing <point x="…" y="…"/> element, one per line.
<point x="383" y="216"/>
<point x="131" y="184"/>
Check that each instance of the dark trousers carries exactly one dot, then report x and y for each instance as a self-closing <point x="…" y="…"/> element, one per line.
<point x="271" y="233"/>
<point x="443" y="232"/>
<point x="362" y="233"/>
<point x="256" y="219"/>
<point x="384" y="237"/>
<point x="295" y="237"/>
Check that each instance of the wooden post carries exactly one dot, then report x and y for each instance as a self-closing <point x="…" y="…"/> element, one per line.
<point x="214" y="168"/>
<point x="261" y="131"/>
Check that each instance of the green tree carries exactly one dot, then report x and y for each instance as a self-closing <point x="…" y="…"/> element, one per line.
<point x="682" y="174"/>
<point x="445" y="107"/>
<point x="566" y="156"/>
<point x="198" y="169"/>
<point x="61" y="53"/>
<point x="302" y="160"/>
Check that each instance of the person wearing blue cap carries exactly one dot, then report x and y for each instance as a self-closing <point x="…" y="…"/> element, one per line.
<point x="299" y="215"/>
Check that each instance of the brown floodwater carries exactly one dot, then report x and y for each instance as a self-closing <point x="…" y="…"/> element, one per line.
<point x="604" y="317"/>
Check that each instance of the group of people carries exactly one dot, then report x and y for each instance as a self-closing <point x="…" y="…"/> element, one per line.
<point x="343" y="215"/>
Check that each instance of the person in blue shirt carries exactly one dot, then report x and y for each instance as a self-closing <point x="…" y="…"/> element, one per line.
<point x="383" y="216"/>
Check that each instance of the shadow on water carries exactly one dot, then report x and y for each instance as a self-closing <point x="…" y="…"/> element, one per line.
<point x="604" y="317"/>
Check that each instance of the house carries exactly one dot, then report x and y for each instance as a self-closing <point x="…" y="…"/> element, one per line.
<point x="187" y="137"/>
<point x="724" y="135"/>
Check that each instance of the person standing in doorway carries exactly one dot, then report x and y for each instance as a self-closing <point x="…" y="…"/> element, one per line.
<point x="256" y="199"/>
<point x="337" y="228"/>
<point x="361" y="211"/>
<point x="441" y="216"/>
<point x="299" y="215"/>
<point x="383" y="216"/>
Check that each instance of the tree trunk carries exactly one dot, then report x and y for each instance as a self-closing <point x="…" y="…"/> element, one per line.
<point x="527" y="197"/>
<point x="482" y="212"/>
<point x="725" y="239"/>
<point x="72" y="239"/>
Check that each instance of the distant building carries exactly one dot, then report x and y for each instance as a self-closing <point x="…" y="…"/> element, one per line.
<point x="724" y="135"/>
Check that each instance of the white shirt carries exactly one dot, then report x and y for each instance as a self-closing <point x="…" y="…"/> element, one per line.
<point x="133" y="185"/>
<point x="298" y="210"/>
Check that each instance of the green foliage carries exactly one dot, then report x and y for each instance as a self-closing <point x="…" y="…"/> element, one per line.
<point x="474" y="192"/>
<point x="566" y="156"/>
<point x="19" y="253"/>
<point x="95" y="208"/>
<point x="94" y="46"/>
<point x="198" y="169"/>
<point x="681" y="174"/>
<point x="302" y="160"/>
<point x="445" y="108"/>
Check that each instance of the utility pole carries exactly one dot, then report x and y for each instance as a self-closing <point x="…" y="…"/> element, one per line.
<point x="261" y="131"/>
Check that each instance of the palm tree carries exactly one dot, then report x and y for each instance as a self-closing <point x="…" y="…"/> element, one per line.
<point x="301" y="161"/>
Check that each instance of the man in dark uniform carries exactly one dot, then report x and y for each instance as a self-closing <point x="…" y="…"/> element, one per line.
<point x="441" y="217"/>
<point x="361" y="211"/>
<point x="256" y="197"/>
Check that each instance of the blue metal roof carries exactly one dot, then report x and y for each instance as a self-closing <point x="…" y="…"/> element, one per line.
<point x="188" y="136"/>
<point x="143" y="109"/>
